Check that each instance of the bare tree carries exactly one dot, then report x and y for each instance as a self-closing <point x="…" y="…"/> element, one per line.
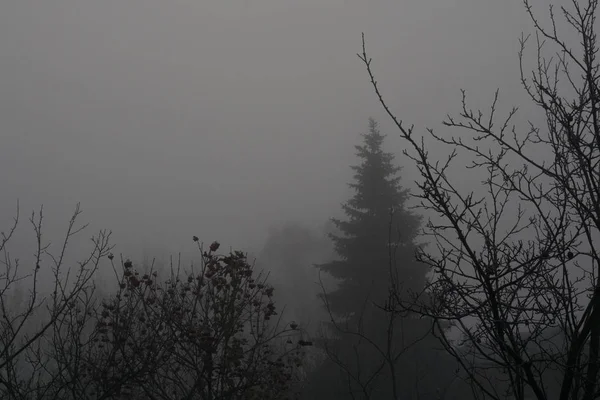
<point x="515" y="264"/>
<point x="29" y="367"/>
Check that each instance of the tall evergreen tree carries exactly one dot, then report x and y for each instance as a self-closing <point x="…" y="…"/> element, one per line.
<point x="378" y="233"/>
<point x="372" y="353"/>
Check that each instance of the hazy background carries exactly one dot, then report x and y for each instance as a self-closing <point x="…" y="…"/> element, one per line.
<point x="220" y="118"/>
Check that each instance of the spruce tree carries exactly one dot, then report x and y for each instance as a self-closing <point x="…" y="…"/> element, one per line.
<point x="369" y="350"/>
<point x="378" y="233"/>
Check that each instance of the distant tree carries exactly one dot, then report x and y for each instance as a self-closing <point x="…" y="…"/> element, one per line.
<point x="289" y="254"/>
<point x="516" y="261"/>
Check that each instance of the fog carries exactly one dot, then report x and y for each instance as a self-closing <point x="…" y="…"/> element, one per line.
<point x="225" y="119"/>
<point x="221" y="118"/>
<point x="235" y="121"/>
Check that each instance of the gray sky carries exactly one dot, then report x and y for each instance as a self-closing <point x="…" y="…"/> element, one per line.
<point x="221" y="117"/>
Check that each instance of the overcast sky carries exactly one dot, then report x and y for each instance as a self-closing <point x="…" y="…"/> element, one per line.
<point x="218" y="118"/>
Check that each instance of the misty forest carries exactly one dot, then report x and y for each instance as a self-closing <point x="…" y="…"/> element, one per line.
<point x="299" y="199"/>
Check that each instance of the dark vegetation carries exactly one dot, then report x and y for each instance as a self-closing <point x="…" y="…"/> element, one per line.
<point x="496" y="295"/>
<point x="211" y="331"/>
